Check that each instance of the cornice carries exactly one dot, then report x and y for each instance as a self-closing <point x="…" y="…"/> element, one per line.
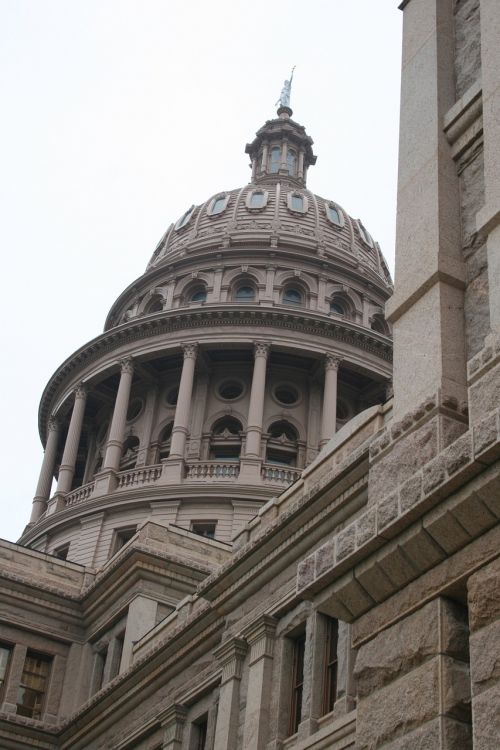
<point x="307" y="322"/>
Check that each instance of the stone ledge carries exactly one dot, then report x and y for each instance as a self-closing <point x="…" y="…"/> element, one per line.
<point x="444" y="529"/>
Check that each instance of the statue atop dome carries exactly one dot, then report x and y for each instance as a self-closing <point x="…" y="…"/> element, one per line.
<point x="284" y="100"/>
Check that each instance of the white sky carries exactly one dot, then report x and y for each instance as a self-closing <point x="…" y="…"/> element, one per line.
<point x="117" y="115"/>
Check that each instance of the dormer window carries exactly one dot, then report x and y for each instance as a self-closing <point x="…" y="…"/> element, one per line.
<point x="275" y="160"/>
<point x="218" y="205"/>
<point x="257" y="199"/>
<point x="185" y="218"/>
<point x="297" y="202"/>
<point x="365" y="235"/>
<point x="334" y="214"/>
<point x="291" y="162"/>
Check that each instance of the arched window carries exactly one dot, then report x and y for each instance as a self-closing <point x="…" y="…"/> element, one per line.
<point x="282" y="444"/>
<point x="185" y="218"/>
<point x="337" y="308"/>
<point x="129" y="453"/>
<point x="225" y="441"/>
<point x="275" y="161"/>
<point x="155" y="305"/>
<point x="164" y="442"/>
<point x="199" y="294"/>
<point x="244" y="293"/>
<point x="292" y="296"/>
<point x="291" y="161"/>
<point x="334" y="214"/>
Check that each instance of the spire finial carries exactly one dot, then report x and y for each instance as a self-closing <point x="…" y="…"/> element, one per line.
<point x="283" y="102"/>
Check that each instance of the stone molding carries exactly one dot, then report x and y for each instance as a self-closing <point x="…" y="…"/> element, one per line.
<point x="260" y="637"/>
<point x="230" y="656"/>
<point x="173" y="720"/>
<point x="127" y="365"/>
<point x="261" y="349"/>
<point x="80" y="391"/>
<point x="190" y="350"/>
<point x="332" y="362"/>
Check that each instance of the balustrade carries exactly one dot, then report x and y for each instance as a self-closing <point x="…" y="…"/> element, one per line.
<point x="280" y="474"/>
<point x="213" y="470"/>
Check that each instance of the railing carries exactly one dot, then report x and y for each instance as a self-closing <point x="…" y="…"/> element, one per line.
<point x="144" y="475"/>
<point x="213" y="470"/>
<point x="79" y="495"/>
<point x="280" y="474"/>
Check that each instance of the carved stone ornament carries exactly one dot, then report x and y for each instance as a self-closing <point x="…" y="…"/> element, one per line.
<point x="332" y="362"/>
<point x="261" y="349"/>
<point x="126" y="365"/>
<point x="53" y="424"/>
<point x="190" y="351"/>
<point x="80" y="391"/>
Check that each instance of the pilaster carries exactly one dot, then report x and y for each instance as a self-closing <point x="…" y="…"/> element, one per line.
<point x="230" y="656"/>
<point x="173" y="721"/>
<point x="260" y="637"/>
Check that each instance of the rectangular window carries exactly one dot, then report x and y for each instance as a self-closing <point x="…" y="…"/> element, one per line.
<point x="200" y="734"/>
<point x="122" y="536"/>
<point x="33" y="685"/>
<point x="331" y="665"/>
<point x="5" y="654"/>
<point x="297" y="682"/>
<point x="297" y="203"/>
<point x="204" y="528"/>
<point x="62" y="552"/>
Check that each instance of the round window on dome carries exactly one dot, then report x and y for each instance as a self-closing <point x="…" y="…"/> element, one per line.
<point x="171" y="396"/>
<point x="134" y="409"/>
<point x="230" y="390"/>
<point x="218" y="205"/>
<point x="185" y="218"/>
<point x="286" y="394"/>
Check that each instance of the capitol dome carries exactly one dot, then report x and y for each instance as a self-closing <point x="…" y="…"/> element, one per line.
<point x="256" y="332"/>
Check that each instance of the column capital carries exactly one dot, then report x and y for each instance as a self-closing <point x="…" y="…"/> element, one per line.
<point x="53" y="424"/>
<point x="172" y="720"/>
<point x="260" y="637"/>
<point x="190" y="350"/>
<point x="127" y="365"/>
<point x="261" y="349"/>
<point x="332" y="362"/>
<point x="230" y="656"/>
<point x="80" y="391"/>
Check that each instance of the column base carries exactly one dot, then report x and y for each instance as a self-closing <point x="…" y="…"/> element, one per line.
<point x="173" y="472"/>
<point x="250" y="470"/>
<point x="105" y="483"/>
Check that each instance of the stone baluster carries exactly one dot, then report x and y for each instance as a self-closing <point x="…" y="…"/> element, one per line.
<point x="260" y="637"/>
<point x="183" y="408"/>
<point x="119" y="420"/>
<point x="257" y="394"/>
<point x="230" y="656"/>
<point x="329" y="416"/>
<point x="42" y="493"/>
<point x="68" y="463"/>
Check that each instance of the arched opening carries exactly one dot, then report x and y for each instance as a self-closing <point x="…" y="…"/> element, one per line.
<point x="198" y="294"/>
<point x="244" y="292"/>
<point x="155" y="305"/>
<point x="129" y="453"/>
<point x="379" y="324"/>
<point x="225" y="440"/>
<point x="293" y="296"/>
<point x="164" y="440"/>
<point x="282" y="444"/>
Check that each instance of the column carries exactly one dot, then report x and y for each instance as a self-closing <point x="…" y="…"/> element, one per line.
<point x="270" y="274"/>
<point x="183" y="409"/>
<point x="284" y="149"/>
<point x="119" y="420"/>
<point x="67" y="468"/>
<point x="301" y="164"/>
<point x="260" y="638"/>
<point x="430" y="273"/>
<point x="173" y="721"/>
<point x="488" y="219"/>
<point x="42" y="493"/>
<point x="329" y="416"/>
<point x="265" y="153"/>
<point x="256" y="407"/>
<point x="230" y="656"/>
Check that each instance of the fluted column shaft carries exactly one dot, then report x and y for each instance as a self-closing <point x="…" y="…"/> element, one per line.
<point x="183" y="408"/>
<point x="70" y="453"/>
<point x="119" y="420"/>
<point x="329" y="416"/>
<point x="42" y="493"/>
<point x="257" y="394"/>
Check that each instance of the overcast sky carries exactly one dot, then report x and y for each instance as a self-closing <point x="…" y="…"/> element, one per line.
<point x="117" y="115"/>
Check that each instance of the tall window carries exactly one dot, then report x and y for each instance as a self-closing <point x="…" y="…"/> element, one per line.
<point x="297" y="682"/>
<point x="225" y="443"/>
<point x="275" y="159"/>
<point x="199" y="735"/>
<point x="282" y="445"/>
<point x="291" y="161"/>
<point x="129" y="453"/>
<point x="164" y="442"/>
<point x="33" y="685"/>
<point x="333" y="214"/>
<point x="331" y="665"/>
<point x="5" y="653"/>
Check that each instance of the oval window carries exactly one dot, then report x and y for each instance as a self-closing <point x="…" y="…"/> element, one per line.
<point x="333" y="214"/>
<point x="286" y="395"/>
<point x="230" y="390"/>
